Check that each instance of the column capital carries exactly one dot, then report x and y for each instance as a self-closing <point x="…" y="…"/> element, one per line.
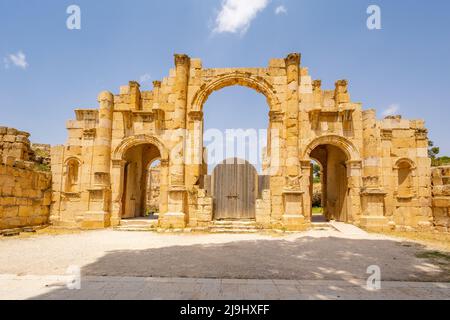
<point x="105" y="96"/>
<point x="276" y="116"/>
<point x="293" y="59"/>
<point x="196" y="115"/>
<point x="182" y="59"/>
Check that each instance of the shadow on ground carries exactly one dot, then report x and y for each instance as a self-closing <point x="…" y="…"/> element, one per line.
<point x="299" y="259"/>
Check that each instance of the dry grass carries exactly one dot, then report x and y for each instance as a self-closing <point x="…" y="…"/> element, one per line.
<point x="48" y="231"/>
<point x="434" y="240"/>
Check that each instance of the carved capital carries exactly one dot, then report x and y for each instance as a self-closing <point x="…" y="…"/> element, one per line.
<point x="276" y="116"/>
<point x="156" y="84"/>
<point x="105" y="96"/>
<point x="118" y="163"/>
<point x="89" y="134"/>
<point x="293" y="183"/>
<point x="196" y="115"/>
<point x="134" y="84"/>
<point x="293" y="59"/>
<point x="386" y="134"/>
<point x="182" y="60"/>
<point x="341" y="86"/>
<point x="317" y="85"/>
<point x="421" y="134"/>
<point x="164" y="162"/>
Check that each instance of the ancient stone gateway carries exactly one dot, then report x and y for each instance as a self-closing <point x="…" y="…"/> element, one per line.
<point x="376" y="172"/>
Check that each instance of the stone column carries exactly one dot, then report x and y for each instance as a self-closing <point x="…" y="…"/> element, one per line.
<point x="117" y="189"/>
<point x="292" y="114"/>
<point x="372" y="193"/>
<point x="277" y="163"/>
<point x="177" y="168"/>
<point x="164" y="187"/>
<point x="98" y="215"/>
<point x="194" y="152"/>
<point x="293" y="195"/>
<point x="176" y="216"/>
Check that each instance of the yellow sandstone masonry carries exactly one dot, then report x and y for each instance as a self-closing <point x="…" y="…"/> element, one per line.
<point x="376" y="173"/>
<point x="25" y="194"/>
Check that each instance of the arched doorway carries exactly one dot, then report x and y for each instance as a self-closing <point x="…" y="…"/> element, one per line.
<point x="334" y="181"/>
<point x="135" y="179"/>
<point x="243" y="138"/>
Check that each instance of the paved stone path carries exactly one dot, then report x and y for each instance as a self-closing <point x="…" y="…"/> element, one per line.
<point x="327" y="264"/>
<point x="109" y="288"/>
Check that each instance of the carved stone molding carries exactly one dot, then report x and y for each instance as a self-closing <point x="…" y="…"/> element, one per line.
<point x="276" y="116"/>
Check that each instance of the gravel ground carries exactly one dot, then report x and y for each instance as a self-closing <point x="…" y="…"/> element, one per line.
<point x="313" y="255"/>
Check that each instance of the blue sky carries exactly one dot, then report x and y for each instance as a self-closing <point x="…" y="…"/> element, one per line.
<point x="405" y="65"/>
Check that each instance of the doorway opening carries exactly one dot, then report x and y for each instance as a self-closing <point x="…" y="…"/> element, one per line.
<point x="329" y="171"/>
<point x="140" y="162"/>
<point x="317" y="192"/>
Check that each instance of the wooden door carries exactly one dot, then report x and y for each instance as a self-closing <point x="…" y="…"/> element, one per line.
<point x="235" y="190"/>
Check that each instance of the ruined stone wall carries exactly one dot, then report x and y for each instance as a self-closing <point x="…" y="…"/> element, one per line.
<point x="441" y="198"/>
<point x="25" y="192"/>
<point x="15" y="143"/>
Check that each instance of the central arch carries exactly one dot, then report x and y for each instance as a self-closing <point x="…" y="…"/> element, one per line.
<point x="251" y="181"/>
<point x="237" y="78"/>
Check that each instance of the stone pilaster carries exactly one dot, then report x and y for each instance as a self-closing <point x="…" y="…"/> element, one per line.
<point x="292" y="114"/>
<point x="98" y="214"/>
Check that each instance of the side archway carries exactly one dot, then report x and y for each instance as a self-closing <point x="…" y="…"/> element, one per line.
<point x="344" y="144"/>
<point x="131" y="158"/>
<point x="133" y="141"/>
<point x="340" y="176"/>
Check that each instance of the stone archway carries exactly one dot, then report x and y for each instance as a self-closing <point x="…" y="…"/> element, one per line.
<point x="253" y="80"/>
<point x="136" y="152"/>
<point x="338" y="157"/>
<point x="236" y="78"/>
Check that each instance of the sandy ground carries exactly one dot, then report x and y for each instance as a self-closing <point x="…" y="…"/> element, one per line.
<point x="314" y="255"/>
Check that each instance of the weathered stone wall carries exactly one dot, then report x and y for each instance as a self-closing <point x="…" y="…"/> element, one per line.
<point x="15" y="143"/>
<point x="25" y="193"/>
<point x="441" y="198"/>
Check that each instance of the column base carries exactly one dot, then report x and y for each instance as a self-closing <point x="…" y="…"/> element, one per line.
<point x="173" y="220"/>
<point x="374" y="223"/>
<point x="96" y="220"/>
<point x="295" y="222"/>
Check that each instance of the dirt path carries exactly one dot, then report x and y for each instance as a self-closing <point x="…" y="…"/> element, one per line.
<point x="314" y="255"/>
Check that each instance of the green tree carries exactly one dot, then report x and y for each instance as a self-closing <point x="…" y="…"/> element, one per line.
<point x="433" y="153"/>
<point x="316" y="173"/>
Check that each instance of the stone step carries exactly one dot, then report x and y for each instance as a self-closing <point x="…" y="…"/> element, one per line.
<point x="231" y="230"/>
<point x="139" y="224"/>
<point x="234" y="226"/>
<point x="134" y="228"/>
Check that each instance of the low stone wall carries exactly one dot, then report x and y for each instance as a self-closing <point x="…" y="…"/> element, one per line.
<point x="25" y="192"/>
<point x="441" y="198"/>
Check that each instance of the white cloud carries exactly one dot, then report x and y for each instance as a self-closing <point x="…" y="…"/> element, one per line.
<point x="280" y="10"/>
<point x="391" y="110"/>
<point x="145" y="77"/>
<point x="19" y="60"/>
<point x="237" y="15"/>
